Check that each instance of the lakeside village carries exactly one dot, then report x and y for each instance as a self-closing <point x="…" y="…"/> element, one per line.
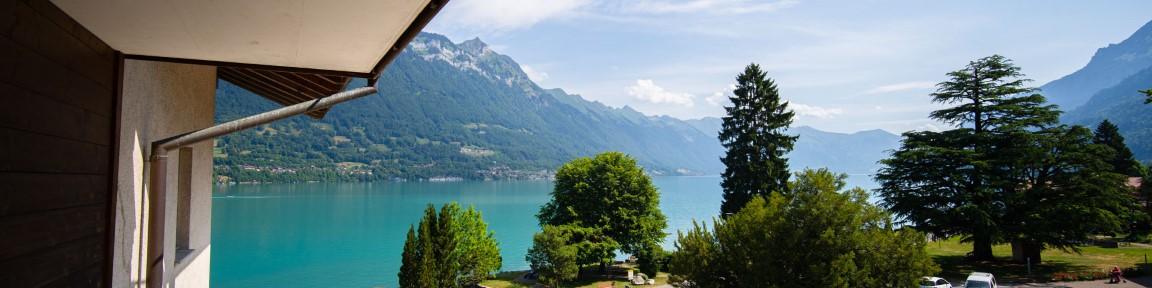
<point x="359" y="171"/>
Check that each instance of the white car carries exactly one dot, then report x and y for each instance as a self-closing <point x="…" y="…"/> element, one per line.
<point x="980" y="280"/>
<point x="934" y="282"/>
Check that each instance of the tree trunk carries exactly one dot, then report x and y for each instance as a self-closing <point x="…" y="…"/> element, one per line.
<point x="982" y="247"/>
<point x="1024" y="251"/>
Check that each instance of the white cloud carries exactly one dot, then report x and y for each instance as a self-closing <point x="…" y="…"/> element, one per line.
<point x="906" y="86"/>
<point x="815" y="111"/>
<point x="710" y="6"/>
<point x="533" y="74"/>
<point x="716" y="99"/>
<point x="647" y="90"/>
<point x="504" y="15"/>
<point x="719" y="98"/>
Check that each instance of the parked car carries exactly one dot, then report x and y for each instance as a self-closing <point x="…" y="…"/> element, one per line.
<point x="980" y="280"/>
<point x="934" y="282"/>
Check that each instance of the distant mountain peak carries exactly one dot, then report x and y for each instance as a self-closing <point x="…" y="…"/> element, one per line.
<point x="475" y="47"/>
<point x="473" y="56"/>
<point x="1107" y="67"/>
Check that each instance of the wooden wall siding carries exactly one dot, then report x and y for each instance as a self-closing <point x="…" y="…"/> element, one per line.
<point x="57" y="109"/>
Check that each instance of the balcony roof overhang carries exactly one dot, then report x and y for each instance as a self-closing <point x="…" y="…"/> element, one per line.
<point x="288" y="51"/>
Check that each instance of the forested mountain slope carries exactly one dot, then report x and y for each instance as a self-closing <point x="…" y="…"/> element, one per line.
<point x="1128" y="68"/>
<point x="450" y="110"/>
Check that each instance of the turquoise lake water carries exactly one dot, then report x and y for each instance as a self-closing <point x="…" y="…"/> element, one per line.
<point x="352" y="234"/>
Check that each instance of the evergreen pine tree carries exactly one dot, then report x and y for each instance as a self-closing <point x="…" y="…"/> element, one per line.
<point x="444" y="243"/>
<point x="953" y="182"/>
<point x="429" y="275"/>
<point x="410" y="261"/>
<point x="753" y="135"/>
<point x="1122" y="160"/>
<point x="451" y="249"/>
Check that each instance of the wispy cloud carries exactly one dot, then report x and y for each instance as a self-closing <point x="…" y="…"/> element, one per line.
<point x="815" y="111"/>
<point x="647" y="90"/>
<point x="533" y="74"/>
<point x="716" y="99"/>
<point x="719" y="98"/>
<point x="504" y="15"/>
<point x="710" y="6"/>
<point x="906" y="86"/>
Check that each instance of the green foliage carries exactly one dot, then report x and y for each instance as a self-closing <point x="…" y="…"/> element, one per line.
<point x="1147" y="93"/>
<point x="451" y="249"/>
<point x="1007" y="173"/>
<point x="992" y="97"/>
<point x="478" y="252"/>
<point x="945" y="183"/>
<point x="815" y="234"/>
<point x="411" y="268"/>
<point x="608" y="193"/>
<point x="552" y="257"/>
<point x="650" y="259"/>
<point x="1065" y="191"/>
<point x="1122" y="160"/>
<point x="753" y="135"/>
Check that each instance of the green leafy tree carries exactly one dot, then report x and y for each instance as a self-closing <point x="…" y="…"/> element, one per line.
<point x="949" y="183"/>
<point x="814" y="234"/>
<point x="451" y="249"/>
<point x="753" y="135"/>
<point x="1065" y="191"/>
<point x="1147" y="93"/>
<point x="552" y="256"/>
<point x="650" y="258"/>
<point x="611" y="195"/>
<point x="1122" y="161"/>
<point x="477" y="252"/>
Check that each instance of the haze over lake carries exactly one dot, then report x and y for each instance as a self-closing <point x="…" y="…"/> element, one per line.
<point x="352" y="234"/>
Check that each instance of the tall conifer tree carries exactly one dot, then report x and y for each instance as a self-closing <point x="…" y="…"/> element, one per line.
<point x="753" y="135"/>
<point x="951" y="182"/>
<point x="410" y="267"/>
<point x="452" y="249"/>
<point x="1122" y="161"/>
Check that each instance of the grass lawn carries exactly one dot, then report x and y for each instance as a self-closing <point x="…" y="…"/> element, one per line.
<point x="954" y="267"/>
<point x="505" y="280"/>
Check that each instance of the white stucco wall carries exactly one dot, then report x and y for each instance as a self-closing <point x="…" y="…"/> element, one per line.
<point x="161" y="100"/>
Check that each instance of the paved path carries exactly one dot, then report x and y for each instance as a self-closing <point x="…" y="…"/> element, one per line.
<point x="1132" y="283"/>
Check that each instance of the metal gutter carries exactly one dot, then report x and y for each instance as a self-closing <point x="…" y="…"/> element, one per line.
<point x="157" y="182"/>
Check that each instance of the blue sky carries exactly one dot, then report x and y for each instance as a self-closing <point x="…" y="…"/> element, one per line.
<point x="845" y="66"/>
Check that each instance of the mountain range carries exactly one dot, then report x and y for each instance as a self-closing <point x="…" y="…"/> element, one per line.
<point x="1107" y="88"/>
<point x="449" y="111"/>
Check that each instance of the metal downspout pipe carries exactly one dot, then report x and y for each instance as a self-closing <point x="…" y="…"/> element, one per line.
<point x="159" y="162"/>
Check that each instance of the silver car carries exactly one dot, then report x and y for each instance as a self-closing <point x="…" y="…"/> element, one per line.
<point x="934" y="282"/>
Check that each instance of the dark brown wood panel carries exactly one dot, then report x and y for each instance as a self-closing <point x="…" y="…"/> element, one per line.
<point x="286" y="88"/>
<point x="57" y="81"/>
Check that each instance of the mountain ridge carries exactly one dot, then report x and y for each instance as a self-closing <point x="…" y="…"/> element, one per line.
<point x="1107" y="67"/>
<point x="1119" y="102"/>
<point x="459" y="111"/>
